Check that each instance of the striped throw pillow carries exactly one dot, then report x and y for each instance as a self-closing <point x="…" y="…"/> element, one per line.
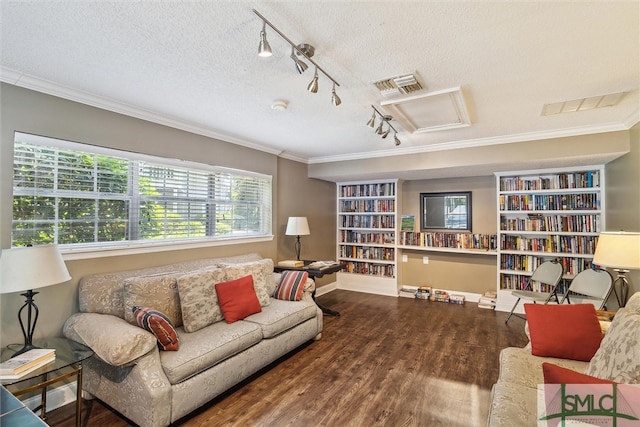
<point x="159" y="325"/>
<point x="291" y="285"/>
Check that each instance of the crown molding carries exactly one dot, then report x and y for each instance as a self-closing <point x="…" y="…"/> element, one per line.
<point x="479" y="142"/>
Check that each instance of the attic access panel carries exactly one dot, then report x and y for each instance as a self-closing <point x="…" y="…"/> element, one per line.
<point x="430" y="112"/>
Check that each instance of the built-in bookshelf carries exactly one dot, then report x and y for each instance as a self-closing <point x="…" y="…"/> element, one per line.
<point x="544" y="215"/>
<point x="367" y="236"/>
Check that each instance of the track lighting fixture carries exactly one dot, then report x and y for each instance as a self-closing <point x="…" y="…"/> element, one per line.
<point x="304" y="50"/>
<point x="264" y="49"/>
<point x="383" y="119"/>
<point x="313" y="86"/>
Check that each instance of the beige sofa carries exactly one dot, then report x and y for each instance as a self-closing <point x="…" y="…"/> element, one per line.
<point x="154" y="388"/>
<point x="514" y="396"/>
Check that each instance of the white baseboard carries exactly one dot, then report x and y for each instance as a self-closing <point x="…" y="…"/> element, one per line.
<point x="326" y="289"/>
<point x="56" y="397"/>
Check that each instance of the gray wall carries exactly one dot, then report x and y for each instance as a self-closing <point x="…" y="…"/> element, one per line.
<point x="32" y="112"/>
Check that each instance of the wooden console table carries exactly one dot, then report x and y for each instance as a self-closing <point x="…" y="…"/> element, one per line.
<point x="315" y="272"/>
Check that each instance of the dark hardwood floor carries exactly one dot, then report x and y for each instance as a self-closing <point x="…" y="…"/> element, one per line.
<point x="384" y="362"/>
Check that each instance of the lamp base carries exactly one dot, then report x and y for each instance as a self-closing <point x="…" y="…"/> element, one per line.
<point x="32" y="319"/>
<point x="298" y="247"/>
<point x="622" y="283"/>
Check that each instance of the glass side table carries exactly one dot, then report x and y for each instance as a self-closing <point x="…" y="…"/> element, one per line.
<point x="68" y="364"/>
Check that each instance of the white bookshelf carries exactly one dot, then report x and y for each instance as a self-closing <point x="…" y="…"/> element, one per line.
<point x="546" y="214"/>
<point x="367" y="238"/>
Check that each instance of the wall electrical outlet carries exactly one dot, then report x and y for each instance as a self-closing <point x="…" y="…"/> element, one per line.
<point x="405" y="258"/>
<point x="425" y="260"/>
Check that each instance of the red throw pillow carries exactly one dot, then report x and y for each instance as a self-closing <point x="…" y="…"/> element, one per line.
<point x="159" y="325"/>
<point x="291" y="285"/>
<point x="568" y="331"/>
<point x="554" y="374"/>
<point x="237" y="299"/>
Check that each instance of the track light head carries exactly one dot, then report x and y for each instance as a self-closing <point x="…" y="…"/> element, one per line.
<point x="395" y="139"/>
<point x="335" y="99"/>
<point x="372" y="121"/>
<point x="386" y="132"/>
<point x="301" y="67"/>
<point x="313" y="86"/>
<point x="379" y="129"/>
<point x="264" y="49"/>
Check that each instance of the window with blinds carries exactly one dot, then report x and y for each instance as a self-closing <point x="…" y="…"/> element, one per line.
<point x="75" y="194"/>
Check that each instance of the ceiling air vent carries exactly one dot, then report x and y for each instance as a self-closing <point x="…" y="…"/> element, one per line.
<point x="608" y="100"/>
<point x="398" y="85"/>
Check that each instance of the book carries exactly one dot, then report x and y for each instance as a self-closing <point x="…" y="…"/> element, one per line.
<point x="32" y="368"/>
<point x="291" y="263"/>
<point x="27" y="360"/>
<point x="408" y="223"/>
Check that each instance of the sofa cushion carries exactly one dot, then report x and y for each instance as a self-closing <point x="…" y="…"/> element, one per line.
<point x="237" y="299"/>
<point x="291" y="285"/>
<point x="159" y="325"/>
<point x="111" y="338"/>
<point x="519" y="366"/>
<point x="618" y="358"/>
<point x="198" y="298"/>
<point x="554" y="374"/>
<point x="280" y="316"/>
<point x="551" y="335"/>
<point x="158" y="291"/>
<point x="207" y="347"/>
<point x="263" y="279"/>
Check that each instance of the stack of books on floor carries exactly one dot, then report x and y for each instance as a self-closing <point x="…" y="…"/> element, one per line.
<point x="408" y="291"/>
<point x="488" y="300"/>
<point x="20" y="365"/>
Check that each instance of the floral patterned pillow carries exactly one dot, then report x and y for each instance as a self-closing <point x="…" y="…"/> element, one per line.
<point x="262" y="272"/>
<point x="618" y="358"/>
<point x="198" y="298"/>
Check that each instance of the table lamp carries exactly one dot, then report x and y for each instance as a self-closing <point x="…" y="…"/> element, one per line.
<point x="24" y="269"/>
<point x="297" y="226"/>
<point x="619" y="251"/>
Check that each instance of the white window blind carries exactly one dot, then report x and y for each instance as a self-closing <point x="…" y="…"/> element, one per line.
<point x="75" y="194"/>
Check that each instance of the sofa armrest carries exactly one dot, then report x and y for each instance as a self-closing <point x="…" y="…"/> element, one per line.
<point x="111" y="338"/>
<point x="309" y="285"/>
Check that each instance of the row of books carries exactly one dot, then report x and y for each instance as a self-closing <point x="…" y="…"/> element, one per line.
<point x="371" y="269"/>
<point x="368" y="221"/>
<point x="528" y="263"/>
<point x="348" y="236"/>
<point x="368" y="190"/>
<point x="22" y="364"/>
<point x="367" y="206"/>
<point x="559" y="223"/>
<point x="554" y="243"/>
<point x="550" y="202"/>
<point x="587" y="179"/>
<point x="367" y="252"/>
<point x="448" y="240"/>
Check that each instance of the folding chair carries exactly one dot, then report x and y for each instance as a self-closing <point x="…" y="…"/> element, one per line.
<point x="590" y="286"/>
<point x="548" y="273"/>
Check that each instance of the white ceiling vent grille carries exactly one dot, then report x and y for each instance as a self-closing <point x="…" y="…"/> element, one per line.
<point x="582" y="104"/>
<point x="399" y="85"/>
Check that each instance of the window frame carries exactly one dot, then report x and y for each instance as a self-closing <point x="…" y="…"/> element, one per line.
<point x="123" y="247"/>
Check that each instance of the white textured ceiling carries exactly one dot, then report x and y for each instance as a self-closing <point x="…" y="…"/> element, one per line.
<point x="194" y="65"/>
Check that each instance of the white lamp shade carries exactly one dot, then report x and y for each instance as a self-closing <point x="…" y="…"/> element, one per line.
<point x="31" y="267"/>
<point x="618" y="250"/>
<point x="297" y="226"/>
